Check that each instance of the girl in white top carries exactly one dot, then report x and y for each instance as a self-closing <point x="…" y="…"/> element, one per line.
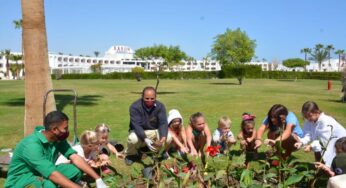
<point x="87" y="149"/>
<point x="176" y="128"/>
<point x="320" y="127"/>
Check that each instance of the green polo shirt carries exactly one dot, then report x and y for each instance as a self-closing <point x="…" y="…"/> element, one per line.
<point x="34" y="157"/>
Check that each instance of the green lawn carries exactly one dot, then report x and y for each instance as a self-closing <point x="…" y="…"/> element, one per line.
<point x="107" y="101"/>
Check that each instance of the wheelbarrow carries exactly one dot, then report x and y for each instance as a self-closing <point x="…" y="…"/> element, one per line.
<point x="75" y="133"/>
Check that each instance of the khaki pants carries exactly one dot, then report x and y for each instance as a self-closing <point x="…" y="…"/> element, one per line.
<point x="134" y="143"/>
<point x="337" y="181"/>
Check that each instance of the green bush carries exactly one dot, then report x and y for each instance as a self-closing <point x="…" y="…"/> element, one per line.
<point x="250" y="71"/>
<point x="237" y="70"/>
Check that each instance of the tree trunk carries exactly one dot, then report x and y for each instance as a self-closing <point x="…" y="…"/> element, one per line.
<point x="38" y="79"/>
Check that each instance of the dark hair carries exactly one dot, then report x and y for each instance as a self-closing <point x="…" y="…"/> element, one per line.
<point x="53" y="118"/>
<point x="194" y="117"/>
<point x="310" y="107"/>
<point x="148" y="88"/>
<point x="247" y="118"/>
<point x="340" y="144"/>
<point x="275" y="111"/>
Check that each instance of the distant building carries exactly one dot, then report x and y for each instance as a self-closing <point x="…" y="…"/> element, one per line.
<point x="121" y="58"/>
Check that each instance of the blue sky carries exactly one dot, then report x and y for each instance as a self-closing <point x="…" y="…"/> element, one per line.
<point x="280" y="28"/>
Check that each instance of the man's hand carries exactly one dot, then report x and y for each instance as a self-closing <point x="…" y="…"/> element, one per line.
<point x="298" y="145"/>
<point x="100" y="183"/>
<point x="149" y="143"/>
<point x="163" y="140"/>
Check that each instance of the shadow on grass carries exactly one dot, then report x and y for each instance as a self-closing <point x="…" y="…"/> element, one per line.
<point x="158" y="93"/>
<point x="334" y="100"/>
<point x="61" y="101"/>
<point x="224" y="83"/>
<point x="287" y="80"/>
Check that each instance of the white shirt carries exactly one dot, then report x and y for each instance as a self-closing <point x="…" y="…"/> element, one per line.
<point x="217" y="134"/>
<point x="321" y="131"/>
<point x="78" y="148"/>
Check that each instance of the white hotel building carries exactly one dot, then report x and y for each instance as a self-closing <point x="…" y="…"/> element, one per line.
<point x="121" y="59"/>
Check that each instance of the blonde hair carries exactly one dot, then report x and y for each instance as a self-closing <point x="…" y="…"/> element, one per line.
<point x="224" y="121"/>
<point x="88" y="137"/>
<point x="102" y="128"/>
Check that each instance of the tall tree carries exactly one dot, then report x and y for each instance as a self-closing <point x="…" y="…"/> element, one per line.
<point x="339" y="53"/>
<point x="7" y="54"/>
<point x="97" y="53"/>
<point x="306" y="51"/>
<point x="329" y="48"/>
<point x="319" y="54"/>
<point x="18" y="24"/>
<point x="234" y="46"/>
<point x="38" y="80"/>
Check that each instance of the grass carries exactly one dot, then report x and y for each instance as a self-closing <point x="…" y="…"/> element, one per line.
<point x="108" y="101"/>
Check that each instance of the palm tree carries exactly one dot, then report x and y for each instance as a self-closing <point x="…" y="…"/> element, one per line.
<point x="319" y="54"/>
<point x="329" y="48"/>
<point x="339" y="53"/>
<point x="38" y="79"/>
<point x="17" y="68"/>
<point x="306" y="51"/>
<point x="97" y="53"/>
<point x="18" y="24"/>
<point x="7" y="54"/>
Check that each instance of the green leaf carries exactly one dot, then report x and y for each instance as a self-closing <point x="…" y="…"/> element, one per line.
<point x="270" y="175"/>
<point x="186" y="179"/>
<point x="220" y="174"/>
<point x="293" y="179"/>
<point x="246" y="178"/>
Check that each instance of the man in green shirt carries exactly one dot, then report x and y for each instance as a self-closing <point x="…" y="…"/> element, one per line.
<point x="33" y="159"/>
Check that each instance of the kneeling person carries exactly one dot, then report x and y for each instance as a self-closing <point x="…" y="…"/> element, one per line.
<point x="33" y="159"/>
<point x="148" y="125"/>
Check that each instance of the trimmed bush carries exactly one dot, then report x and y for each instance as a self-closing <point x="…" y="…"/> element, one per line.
<point x="251" y="71"/>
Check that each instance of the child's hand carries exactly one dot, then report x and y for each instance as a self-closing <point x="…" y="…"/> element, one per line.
<point x="231" y="140"/>
<point x="269" y="142"/>
<point x="319" y="165"/>
<point x="223" y="137"/>
<point x="119" y="156"/>
<point x="243" y="143"/>
<point x="104" y="160"/>
<point x="307" y="148"/>
<point x="298" y="145"/>
<point x="194" y="153"/>
<point x="258" y="143"/>
<point x="184" y="150"/>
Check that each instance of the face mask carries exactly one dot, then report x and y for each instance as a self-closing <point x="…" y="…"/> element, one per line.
<point x="63" y="136"/>
<point x="149" y="104"/>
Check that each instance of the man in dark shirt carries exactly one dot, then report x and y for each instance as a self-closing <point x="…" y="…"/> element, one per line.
<point x="148" y="123"/>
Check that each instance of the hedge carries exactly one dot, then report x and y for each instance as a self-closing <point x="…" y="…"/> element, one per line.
<point x="252" y="72"/>
<point x="145" y="75"/>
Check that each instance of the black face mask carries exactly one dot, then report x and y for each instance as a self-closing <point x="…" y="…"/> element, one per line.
<point x="63" y="135"/>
